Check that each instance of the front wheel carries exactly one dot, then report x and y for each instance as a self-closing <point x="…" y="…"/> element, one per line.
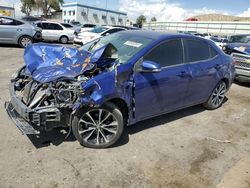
<point x="24" y="41"/>
<point x="217" y="97"/>
<point x="98" y="127"/>
<point x="64" y="40"/>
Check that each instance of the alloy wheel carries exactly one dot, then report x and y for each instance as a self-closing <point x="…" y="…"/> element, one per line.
<point x="25" y="41"/>
<point x="97" y="127"/>
<point x="218" y="95"/>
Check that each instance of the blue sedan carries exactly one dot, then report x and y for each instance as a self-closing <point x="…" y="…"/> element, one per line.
<point x="115" y="81"/>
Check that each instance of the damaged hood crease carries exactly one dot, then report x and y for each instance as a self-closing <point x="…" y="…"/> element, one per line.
<point x="46" y="63"/>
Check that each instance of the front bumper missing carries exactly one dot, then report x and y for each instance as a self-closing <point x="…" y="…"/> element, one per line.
<point x="19" y="121"/>
<point x="27" y="120"/>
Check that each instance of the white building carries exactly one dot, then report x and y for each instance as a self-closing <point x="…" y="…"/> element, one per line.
<point x="92" y="15"/>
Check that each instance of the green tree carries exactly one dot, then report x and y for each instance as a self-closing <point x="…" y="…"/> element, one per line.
<point x="153" y="19"/>
<point x="47" y="5"/>
<point x="27" y="6"/>
<point x="141" y="20"/>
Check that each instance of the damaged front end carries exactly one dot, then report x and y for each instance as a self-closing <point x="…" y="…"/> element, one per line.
<point x="46" y="92"/>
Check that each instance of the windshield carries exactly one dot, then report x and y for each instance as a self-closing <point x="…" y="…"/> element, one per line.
<point x="98" y="29"/>
<point x="127" y="45"/>
<point x="240" y="39"/>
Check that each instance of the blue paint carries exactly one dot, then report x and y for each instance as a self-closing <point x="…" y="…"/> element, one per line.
<point x="146" y="94"/>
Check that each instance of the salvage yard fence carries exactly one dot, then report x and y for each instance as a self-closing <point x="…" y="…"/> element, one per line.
<point x="220" y="28"/>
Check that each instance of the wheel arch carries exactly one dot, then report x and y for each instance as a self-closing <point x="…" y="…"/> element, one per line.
<point x="24" y="35"/>
<point x="226" y="80"/>
<point x="121" y="104"/>
<point x="63" y="36"/>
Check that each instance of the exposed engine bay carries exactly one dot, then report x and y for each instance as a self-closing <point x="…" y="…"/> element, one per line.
<point x="50" y="103"/>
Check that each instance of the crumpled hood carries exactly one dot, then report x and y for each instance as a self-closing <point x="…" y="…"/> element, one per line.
<point x="48" y="62"/>
<point x="240" y="47"/>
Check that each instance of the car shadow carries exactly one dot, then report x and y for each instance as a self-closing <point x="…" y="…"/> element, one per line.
<point x="61" y="135"/>
<point x="54" y="137"/>
<point x="244" y="84"/>
<point x="70" y="44"/>
<point x="9" y="46"/>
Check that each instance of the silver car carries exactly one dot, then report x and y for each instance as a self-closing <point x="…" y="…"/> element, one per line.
<point x="13" y="31"/>
<point x="53" y="31"/>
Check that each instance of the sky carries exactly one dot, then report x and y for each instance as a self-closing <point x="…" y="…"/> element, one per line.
<point x="163" y="10"/>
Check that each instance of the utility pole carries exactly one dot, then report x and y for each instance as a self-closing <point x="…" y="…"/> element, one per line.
<point x="106" y="4"/>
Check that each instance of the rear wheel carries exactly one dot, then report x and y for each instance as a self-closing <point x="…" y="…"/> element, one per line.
<point x="217" y="96"/>
<point x="24" y="41"/>
<point x="64" y="40"/>
<point x="98" y="127"/>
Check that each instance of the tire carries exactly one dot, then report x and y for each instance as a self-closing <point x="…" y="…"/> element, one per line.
<point x="217" y="97"/>
<point x="90" y="133"/>
<point x="64" y="40"/>
<point x="24" y="41"/>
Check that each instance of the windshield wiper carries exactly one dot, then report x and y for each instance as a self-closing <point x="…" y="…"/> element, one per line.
<point x="93" y="45"/>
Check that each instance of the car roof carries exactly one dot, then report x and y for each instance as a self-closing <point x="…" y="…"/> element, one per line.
<point x="8" y="17"/>
<point x="158" y="36"/>
<point x="42" y="21"/>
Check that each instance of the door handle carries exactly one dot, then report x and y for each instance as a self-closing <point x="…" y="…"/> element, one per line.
<point x="183" y="74"/>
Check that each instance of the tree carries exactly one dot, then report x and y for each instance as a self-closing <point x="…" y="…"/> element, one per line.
<point x="47" y="5"/>
<point x="153" y="19"/>
<point x="27" y="6"/>
<point x="141" y="20"/>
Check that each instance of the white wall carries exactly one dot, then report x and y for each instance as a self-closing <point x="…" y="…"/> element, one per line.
<point x="92" y="15"/>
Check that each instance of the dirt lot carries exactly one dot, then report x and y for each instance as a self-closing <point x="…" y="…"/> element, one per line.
<point x="189" y="148"/>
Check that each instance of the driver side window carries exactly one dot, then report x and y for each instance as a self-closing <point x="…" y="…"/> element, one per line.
<point x="167" y="54"/>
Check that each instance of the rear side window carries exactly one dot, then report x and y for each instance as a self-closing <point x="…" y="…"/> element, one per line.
<point x="51" y="26"/>
<point x="167" y="54"/>
<point x="213" y="52"/>
<point x="55" y="27"/>
<point x="196" y="50"/>
<point x="6" y="21"/>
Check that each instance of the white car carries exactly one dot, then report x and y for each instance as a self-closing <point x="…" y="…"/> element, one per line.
<point x="220" y="42"/>
<point x="95" y="33"/>
<point x="52" y="31"/>
<point x="87" y="27"/>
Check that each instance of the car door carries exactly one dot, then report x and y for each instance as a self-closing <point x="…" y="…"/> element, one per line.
<point x="8" y="30"/>
<point x="203" y="64"/>
<point x="164" y="91"/>
<point x="51" y="31"/>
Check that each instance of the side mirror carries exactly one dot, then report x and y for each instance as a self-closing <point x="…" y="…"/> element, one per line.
<point x="149" y="66"/>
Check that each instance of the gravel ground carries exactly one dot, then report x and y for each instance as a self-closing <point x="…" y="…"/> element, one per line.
<point x="192" y="148"/>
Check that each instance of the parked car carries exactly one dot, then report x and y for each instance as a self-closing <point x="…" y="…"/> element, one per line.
<point x="87" y="27"/>
<point x="116" y="81"/>
<point x="76" y="23"/>
<point x="239" y="48"/>
<point x="52" y="31"/>
<point x="13" y="31"/>
<point x="95" y="33"/>
<point x="207" y="35"/>
<point x="220" y="42"/>
<point x="77" y="29"/>
<point x="235" y="42"/>
<point x="32" y="19"/>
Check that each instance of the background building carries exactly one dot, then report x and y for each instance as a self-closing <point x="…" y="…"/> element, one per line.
<point x="7" y="11"/>
<point x="93" y="15"/>
<point x="221" y="17"/>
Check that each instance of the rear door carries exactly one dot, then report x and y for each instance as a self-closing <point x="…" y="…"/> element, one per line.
<point x="161" y="92"/>
<point x="9" y="30"/>
<point x="51" y="31"/>
<point x="204" y="65"/>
